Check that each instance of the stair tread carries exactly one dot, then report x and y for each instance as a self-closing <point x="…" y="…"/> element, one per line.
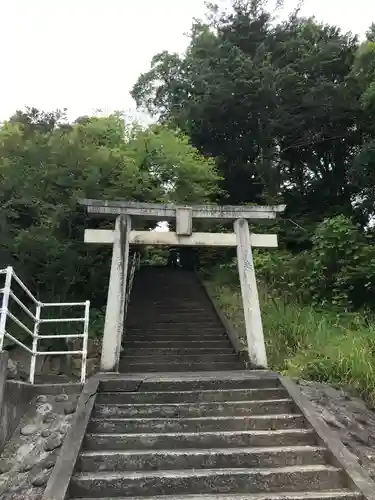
<point x="205" y="451"/>
<point x="210" y="366"/>
<point x="121" y="399"/>
<point x="156" y="342"/>
<point x="255" y="432"/>
<point x="175" y="357"/>
<point x="205" y="391"/>
<point x="141" y="369"/>
<point x="280" y="416"/>
<point x="205" y="472"/>
<point x="198" y="403"/>
<point x="305" y="495"/>
<point x="187" y="350"/>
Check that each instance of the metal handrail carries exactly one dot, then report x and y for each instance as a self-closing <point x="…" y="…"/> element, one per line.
<point x="134" y="264"/>
<point x="5" y="313"/>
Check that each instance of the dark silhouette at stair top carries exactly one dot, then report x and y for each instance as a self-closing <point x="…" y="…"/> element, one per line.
<point x="172" y="326"/>
<point x="186" y="258"/>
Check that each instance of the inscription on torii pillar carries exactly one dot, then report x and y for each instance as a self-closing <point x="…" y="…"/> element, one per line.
<point x="122" y="236"/>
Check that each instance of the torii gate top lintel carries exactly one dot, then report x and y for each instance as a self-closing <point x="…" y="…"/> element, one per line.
<point x="112" y="208"/>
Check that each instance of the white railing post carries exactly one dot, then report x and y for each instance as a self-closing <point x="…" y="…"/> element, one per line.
<point x="35" y="342"/>
<point x="85" y="341"/>
<point x="4" y="305"/>
<point x="8" y="294"/>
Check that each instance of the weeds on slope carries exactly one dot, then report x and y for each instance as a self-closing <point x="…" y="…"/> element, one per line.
<point x="305" y="342"/>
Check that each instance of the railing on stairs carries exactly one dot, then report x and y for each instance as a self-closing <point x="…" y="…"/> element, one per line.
<point x="8" y="295"/>
<point x="133" y="266"/>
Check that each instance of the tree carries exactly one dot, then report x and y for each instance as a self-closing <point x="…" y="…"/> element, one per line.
<point x="273" y="102"/>
<point x="362" y="172"/>
<point x="47" y="164"/>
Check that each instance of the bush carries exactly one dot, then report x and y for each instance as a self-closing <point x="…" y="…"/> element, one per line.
<point x="340" y="268"/>
<point x="306" y="341"/>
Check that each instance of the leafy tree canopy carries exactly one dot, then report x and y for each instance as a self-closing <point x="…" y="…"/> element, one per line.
<point x="285" y="107"/>
<point x="47" y="164"/>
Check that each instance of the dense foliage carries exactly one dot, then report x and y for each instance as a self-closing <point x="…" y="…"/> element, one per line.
<point x="287" y="109"/>
<point x="47" y="164"/>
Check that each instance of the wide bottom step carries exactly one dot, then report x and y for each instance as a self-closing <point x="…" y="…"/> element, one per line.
<point x="308" y="495"/>
<point x="182" y="482"/>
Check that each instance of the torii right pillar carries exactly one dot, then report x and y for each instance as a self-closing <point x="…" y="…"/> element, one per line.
<point x="250" y="297"/>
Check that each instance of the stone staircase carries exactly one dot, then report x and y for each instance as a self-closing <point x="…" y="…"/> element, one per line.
<point x="185" y="421"/>
<point x="172" y="326"/>
<point x="238" y="436"/>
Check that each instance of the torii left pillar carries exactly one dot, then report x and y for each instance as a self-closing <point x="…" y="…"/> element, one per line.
<point x="114" y="316"/>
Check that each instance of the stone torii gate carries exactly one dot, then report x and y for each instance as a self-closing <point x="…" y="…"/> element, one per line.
<point x="122" y="236"/>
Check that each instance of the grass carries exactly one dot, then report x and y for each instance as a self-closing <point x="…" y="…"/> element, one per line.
<point x="307" y="343"/>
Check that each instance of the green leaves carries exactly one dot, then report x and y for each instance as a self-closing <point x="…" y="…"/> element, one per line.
<point x="272" y="102"/>
<point x="47" y="164"/>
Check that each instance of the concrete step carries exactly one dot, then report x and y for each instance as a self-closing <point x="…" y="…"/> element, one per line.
<point x="342" y="494"/>
<point x="187" y="353"/>
<point x="161" y="293"/>
<point x="181" y="304"/>
<point x="161" y="367"/>
<point x="176" y="336"/>
<point x="182" y="482"/>
<point x="169" y="314"/>
<point x="180" y="343"/>
<point x="184" y="324"/>
<point x="173" y="329"/>
<point x="217" y="342"/>
<point x="187" y="325"/>
<point x="191" y="396"/>
<point x="192" y="320"/>
<point x="163" y="310"/>
<point x="175" y="357"/>
<point x="134" y="335"/>
<point x="176" y="332"/>
<point x="220" y="458"/>
<point x="167" y="410"/>
<point x="131" y="337"/>
<point x="194" y="382"/>
<point x="162" y="297"/>
<point x="176" y="351"/>
<point x="198" y="440"/>
<point x="172" y="318"/>
<point x="201" y="424"/>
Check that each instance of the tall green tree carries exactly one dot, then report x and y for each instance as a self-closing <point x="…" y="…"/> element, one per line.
<point x="274" y="102"/>
<point x="47" y="164"/>
<point x="363" y="168"/>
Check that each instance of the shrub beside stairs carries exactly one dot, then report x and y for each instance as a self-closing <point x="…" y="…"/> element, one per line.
<point x="181" y="422"/>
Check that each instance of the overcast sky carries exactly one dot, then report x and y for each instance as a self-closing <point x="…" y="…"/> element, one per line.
<point x="86" y="54"/>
